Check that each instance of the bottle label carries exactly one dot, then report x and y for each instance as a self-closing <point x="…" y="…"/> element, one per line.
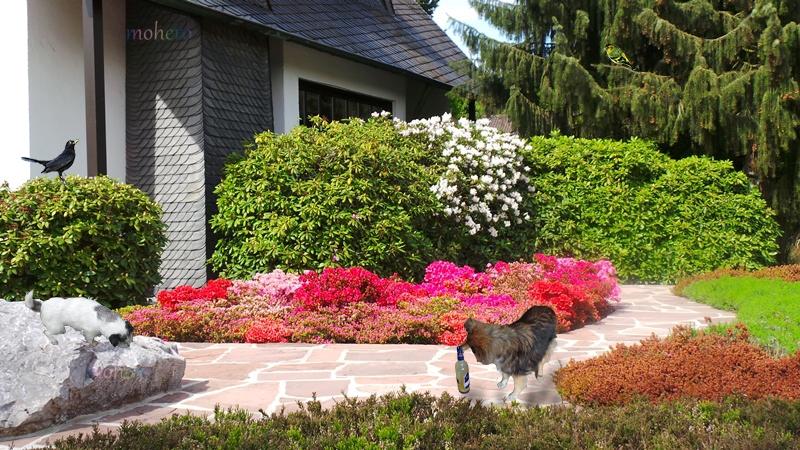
<point x="466" y="381"/>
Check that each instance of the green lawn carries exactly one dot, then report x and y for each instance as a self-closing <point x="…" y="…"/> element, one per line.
<point x="770" y="308"/>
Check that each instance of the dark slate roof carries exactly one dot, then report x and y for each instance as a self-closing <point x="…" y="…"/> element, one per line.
<point x="407" y="40"/>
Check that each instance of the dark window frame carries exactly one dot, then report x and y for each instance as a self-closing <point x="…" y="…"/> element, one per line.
<point x="375" y="104"/>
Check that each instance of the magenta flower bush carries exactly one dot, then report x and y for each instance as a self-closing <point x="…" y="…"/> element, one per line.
<point x="352" y="304"/>
<point x="446" y="278"/>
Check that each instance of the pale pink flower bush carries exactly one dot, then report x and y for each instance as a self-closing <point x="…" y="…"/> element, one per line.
<point x="274" y="284"/>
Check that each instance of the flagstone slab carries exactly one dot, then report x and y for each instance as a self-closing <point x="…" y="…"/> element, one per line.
<point x="269" y="377"/>
<point x="305" y="389"/>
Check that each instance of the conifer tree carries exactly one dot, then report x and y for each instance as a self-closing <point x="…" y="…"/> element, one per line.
<point x="715" y="77"/>
<point x="428" y="5"/>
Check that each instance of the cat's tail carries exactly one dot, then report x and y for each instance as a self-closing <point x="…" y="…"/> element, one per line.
<point x="32" y="303"/>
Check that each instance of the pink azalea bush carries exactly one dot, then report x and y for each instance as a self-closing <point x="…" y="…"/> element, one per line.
<point x="274" y="284"/>
<point x="355" y="305"/>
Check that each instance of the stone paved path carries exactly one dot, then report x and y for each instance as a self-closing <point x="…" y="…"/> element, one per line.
<point x="272" y="376"/>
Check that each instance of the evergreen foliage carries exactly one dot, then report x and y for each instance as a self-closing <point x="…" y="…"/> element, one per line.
<point x="715" y="77"/>
<point x="428" y="5"/>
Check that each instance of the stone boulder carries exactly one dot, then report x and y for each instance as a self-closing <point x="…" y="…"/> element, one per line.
<point x="42" y="384"/>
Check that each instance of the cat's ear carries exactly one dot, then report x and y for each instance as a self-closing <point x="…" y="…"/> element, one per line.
<point x="469" y="325"/>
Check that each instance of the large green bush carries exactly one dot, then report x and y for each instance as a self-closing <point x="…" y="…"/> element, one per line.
<point x="656" y="218"/>
<point x="93" y="237"/>
<point x="422" y="421"/>
<point x="350" y="194"/>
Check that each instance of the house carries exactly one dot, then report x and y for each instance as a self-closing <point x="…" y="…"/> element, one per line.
<point x="159" y="92"/>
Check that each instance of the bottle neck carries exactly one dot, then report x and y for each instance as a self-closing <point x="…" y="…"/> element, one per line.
<point x="460" y="353"/>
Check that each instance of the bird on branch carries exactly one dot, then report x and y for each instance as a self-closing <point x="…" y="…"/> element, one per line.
<point x="617" y="56"/>
<point x="61" y="162"/>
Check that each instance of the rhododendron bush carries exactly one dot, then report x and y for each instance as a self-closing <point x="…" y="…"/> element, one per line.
<point x="485" y="176"/>
<point x="353" y="304"/>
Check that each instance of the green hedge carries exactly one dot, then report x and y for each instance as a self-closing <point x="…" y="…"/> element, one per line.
<point x="349" y="194"/>
<point x="420" y="421"/>
<point x="358" y="193"/>
<point x="656" y="218"/>
<point x="93" y="237"/>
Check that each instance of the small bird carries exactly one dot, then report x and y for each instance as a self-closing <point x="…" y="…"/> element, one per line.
<point x="617" y="56"/>
<point x="61" y="162"/>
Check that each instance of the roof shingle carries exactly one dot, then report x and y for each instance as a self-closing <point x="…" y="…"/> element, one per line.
<point x="407" y="40"/>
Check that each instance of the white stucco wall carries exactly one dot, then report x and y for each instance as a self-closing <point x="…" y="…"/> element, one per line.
<point x="114" y="37"/>
<point x="291" y="62"/>
<point x="14" y="92"/>
<point x="57" y="110"/>
<point x="46" y="73"/>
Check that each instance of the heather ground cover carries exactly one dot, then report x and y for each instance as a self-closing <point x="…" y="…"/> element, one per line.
<point x="688" y="363"/>
<point x="354" y="305"/>
<point x="755" y="357"/>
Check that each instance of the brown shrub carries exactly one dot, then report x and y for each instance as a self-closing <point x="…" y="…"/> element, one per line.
<point x="686" y="364"/>
<point x="789" y="272"/>
<point x="683" y="283"/>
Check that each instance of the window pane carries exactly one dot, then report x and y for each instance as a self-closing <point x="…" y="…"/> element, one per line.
<point x="326" y="107"/>
<point x="352" y="108"/>
<point x="339" y="108"/>
<point x="312" y="104"/>
<point x="332" y="103"/>
<point x="365" y="110"/>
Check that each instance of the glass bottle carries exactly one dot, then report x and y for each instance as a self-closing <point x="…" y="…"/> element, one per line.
<point x="462" y="372"/>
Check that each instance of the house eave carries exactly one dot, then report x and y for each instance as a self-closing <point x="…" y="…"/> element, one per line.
<point x="203" y="11"/>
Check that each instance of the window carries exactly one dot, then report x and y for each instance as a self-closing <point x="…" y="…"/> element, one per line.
<point x="336" y="104"/>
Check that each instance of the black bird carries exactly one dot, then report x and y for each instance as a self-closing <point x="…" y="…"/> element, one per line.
<point x="61" y="162"/>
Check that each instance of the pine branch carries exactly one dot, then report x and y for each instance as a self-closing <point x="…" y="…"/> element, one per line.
<point x="699" y="15"/>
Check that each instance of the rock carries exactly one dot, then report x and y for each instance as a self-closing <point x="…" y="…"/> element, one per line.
<point x="43" y="384"/>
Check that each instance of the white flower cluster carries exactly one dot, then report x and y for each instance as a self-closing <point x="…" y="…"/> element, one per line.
<point x="485" y="175"/>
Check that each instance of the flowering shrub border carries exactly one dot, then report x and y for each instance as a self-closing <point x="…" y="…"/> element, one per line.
<point x="355" y="305"/>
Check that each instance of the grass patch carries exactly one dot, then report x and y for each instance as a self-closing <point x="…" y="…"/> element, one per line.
<point x="421" y="421"/>
<point x="770" y="308"/>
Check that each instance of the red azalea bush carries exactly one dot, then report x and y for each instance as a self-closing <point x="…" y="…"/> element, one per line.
<point x="340" y="286"/>
<point x="214" y="289"/>
<point x="268" y="331"/>
<point x="453" y="332"/>
<point x="571" y="305"/>
<point x="357" y="306"/>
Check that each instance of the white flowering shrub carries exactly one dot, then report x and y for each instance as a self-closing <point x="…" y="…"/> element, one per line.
<point x="485" y="178"/>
